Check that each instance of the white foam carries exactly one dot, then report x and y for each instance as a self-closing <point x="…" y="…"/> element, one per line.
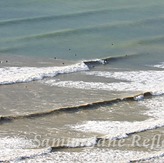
<point x="14" y="148"/>
<point x="121" y="129"/>
<point x="101" y="61"/>
<point x="18" y="154"/>
<point x="155" y="106"/>
<point x="138" y="98"/>
<point x="95" y="155"/>
<point x="161" y="65"/>
<point x="117" y="129"/>
<point x="15" y="143"/>
<point x="145" y="81"/>
<point x="9" y="75"/>
<point x="154" y="159"/>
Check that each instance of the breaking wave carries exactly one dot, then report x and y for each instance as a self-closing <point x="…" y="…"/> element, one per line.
<point x="11" y="75"/>
<point x="94" y="105"/>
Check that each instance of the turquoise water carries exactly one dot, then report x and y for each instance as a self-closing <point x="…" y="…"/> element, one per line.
<point x="86" y="71"/>
<point x="80" y="29"/>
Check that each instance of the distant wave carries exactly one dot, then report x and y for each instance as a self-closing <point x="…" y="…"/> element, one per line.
<point x="11" y="48"/>
<point x="65" y="32"/>
<point x="86" y="29"/>
<point x="53" y="17"/>
<point x="77" y="14"/>
<point x="156" y="39"/>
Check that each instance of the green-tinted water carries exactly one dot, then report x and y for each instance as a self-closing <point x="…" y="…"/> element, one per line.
<point x="80" y="29"/>
<point x="47" y="94"/>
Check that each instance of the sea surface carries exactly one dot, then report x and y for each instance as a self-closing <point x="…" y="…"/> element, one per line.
<point x="81" y="81"/>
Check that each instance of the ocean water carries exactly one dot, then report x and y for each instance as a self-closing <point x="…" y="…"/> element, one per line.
<point x="81" y="81"/>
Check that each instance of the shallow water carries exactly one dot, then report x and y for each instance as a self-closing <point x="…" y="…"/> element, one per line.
<point x="81" y="81"/>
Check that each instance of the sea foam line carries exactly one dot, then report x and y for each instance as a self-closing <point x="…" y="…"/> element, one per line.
<point x="11" y="75"/>
<point x="145" y="81"/>
<point x="116" y="129"/>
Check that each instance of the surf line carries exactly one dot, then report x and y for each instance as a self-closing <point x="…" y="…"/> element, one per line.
<point x="94" y="105"/>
